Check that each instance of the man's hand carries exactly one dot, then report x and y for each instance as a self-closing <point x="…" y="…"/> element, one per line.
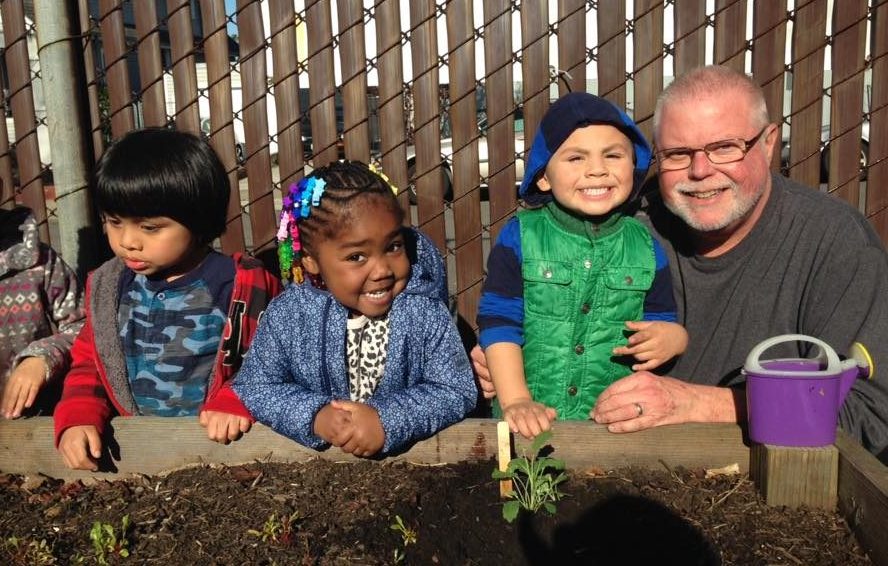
<point x="479" y="363"/>
<point x="644" y="400"/>
<point x="653" y="343"/>
<point x="528" y="417"/>
<point x="334" y="425"/>
<point x="369" y="436"/>
<point x="224" y="427"/>
<point x="22" y="388"/>
<point x="81" y="447"/>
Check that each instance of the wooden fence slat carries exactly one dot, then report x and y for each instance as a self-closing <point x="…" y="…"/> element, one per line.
<point x="846" y="102"/>
<point x="534" y="66"/>
<point x="690" y="35"/>
<point x="291" y="156"/>
<point x="392" y="128"/>
<point x="426" y="116"/>
<point x="150" y="64"/>
<point x="809" y="34"/>
<point x="877" y="174"/>
<point x="322" y="83"/>
<point x="769" y="38"/>
<point x="187" y="116"/>
<point x="353" y="55"/>
<point x="92" y="84"/>
<point x="730" y="34"/>
<point x="611" y="61"/>
<point x="466" y="186"/>
<point x="116" y="72"/>
<point x="221" y="115"/>
<point x="571" y="46"/>
<point x="21" y="101"/>
<point x="501" y="133"/>
<point x="648" y="64"/>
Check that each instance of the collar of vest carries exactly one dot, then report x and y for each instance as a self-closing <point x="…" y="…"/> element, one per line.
<point x="598" y="227"/>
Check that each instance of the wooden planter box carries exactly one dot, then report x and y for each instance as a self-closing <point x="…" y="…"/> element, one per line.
<point x="151" y="445"/>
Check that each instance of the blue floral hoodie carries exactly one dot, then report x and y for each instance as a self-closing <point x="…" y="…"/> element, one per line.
<point x="297" y="362"/>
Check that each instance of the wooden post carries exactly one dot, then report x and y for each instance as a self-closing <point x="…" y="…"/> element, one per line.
<point x="795" y="476"/>
<point x="504" y="455"/>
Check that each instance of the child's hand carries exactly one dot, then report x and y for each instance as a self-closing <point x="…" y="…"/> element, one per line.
<point x="23" y="386"/>
<point x="369" y="436"/>
<point x="334" y="425"/>
<point x="81" y="447"/>
<point x="653" y="343"/>
<point x="528" y="417"/>
<point x="224" y="427"/>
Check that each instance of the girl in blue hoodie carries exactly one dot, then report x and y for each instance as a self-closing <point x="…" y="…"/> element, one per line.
<point x="361" y="352"/>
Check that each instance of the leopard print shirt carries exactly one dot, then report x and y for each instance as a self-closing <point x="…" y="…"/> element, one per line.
<point x="366" y="350"/>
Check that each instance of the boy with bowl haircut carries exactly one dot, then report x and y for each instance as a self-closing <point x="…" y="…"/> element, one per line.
<point x="572" y="276"/>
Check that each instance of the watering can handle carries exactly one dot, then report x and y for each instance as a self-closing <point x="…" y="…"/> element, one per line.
<point x="833" y="364"/>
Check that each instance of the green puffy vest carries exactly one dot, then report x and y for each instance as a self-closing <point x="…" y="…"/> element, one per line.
<point x="582" y="281"/>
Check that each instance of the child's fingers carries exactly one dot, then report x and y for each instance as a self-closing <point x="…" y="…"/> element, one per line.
<point x="648" y="365"/>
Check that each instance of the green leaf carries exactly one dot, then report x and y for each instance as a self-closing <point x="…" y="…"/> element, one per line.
<point x="549" y="507"/>
<point x="510" y="510"/>
<point x="541" y="440"/>
<point x="501" y="475"/>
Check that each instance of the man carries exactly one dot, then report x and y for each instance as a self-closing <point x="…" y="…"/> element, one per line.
<point x="752" y="255"/>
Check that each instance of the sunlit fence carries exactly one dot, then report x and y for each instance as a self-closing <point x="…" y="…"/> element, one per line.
<point x="446" y="96"/>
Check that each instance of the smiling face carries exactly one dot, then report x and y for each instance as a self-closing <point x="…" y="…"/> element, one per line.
<point x="365" y="265"/>
<point x="591" y="173"/>
<point x="157" y="247"/>
<point x="720" y="202"/>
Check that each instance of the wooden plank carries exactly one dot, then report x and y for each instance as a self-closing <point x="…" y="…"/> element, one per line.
<point x="254" y="77"/>
<point x="150" y="65"/>
<point x="221" y="116"/>
<point x="144" y="447"/>
<point x="187" y="117"/>
<point x="730" y="34"/>
<point x="466" y="178"/>
<point x="116" y="71"/>
<point x="291" y="158"/>
<point x="322" y="82"/>
<point x="808" y="43"/>
<point x="426" y="117"/>
<point x="353" y="60"/>
<point x="863" y="496"/>
<point x="846" y="120"/>
<point x="534" y="66"/>
<point x="392" y="128"/>
<point x="571" y="46"/>
<point x="769" y="38"/>
<point x="877" y="173"/>
<point x="796" y="476"/>
<point x="648" y="64"/>
<point x="690" y="35"/>
<point x="611" y="59"/>
<point x="501" y="133"/>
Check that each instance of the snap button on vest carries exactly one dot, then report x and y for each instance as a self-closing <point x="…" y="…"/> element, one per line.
<point x="572" y="390"/>
<point x="628" y="280"/>
<point x="547" y="274"/>
<point x="579" y="349"/>
<point x="585" y="308"/>
<point x="161" y="296"/>
<point x="587" y="264"/>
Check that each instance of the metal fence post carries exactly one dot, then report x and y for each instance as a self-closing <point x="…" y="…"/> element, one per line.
<point x="58" y="45"/>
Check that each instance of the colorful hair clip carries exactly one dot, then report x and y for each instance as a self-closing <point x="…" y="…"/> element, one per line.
<point x="378" y="172"/>
<point x="296" y="205"/>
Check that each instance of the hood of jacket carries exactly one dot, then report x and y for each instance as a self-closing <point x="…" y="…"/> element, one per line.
<point x="20" y="241"/>
<point x="572" y="111"/>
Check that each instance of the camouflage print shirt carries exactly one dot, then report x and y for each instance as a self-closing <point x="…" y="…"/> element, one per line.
<point x="170" y="333"/>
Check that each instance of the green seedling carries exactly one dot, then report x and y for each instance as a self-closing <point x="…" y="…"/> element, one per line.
<point x="535" y="480"/>
<point x="28" y="552"/>
<point x="408" y="537"/>
<point x="277" y="529"/>
<point x="108" y="542"/>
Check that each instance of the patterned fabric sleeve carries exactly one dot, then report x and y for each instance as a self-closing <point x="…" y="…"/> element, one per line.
<point x="66" y="307"/>
<point x="501" y="311"/>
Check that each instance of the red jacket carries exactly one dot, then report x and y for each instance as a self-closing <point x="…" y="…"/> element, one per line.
<point x="97" y="386"/>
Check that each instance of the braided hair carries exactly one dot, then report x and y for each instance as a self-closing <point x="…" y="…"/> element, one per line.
<point x="324" y="203"/>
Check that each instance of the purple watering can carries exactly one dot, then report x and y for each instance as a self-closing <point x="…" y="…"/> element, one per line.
<point x="796" y="401"/>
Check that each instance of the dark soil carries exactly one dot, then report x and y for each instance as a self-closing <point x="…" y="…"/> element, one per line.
<point x="321" y="512"/>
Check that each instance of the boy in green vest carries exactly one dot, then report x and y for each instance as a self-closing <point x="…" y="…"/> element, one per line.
<point x="571" y="277"/>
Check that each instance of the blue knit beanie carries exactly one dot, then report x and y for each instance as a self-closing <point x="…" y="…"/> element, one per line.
<point x="572" y="111"/>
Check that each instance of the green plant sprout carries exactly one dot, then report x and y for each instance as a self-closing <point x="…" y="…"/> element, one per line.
<point x="277" y="530"/>
<point x="535" y="483"/>
<point x="28" y="552"/>
<point x="109" y="542"/>
<point x="408" y="537"/>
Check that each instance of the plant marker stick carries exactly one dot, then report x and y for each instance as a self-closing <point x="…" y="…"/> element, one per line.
<point x="504" y="455"/>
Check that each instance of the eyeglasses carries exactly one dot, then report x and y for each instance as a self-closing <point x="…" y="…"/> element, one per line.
<point x="718" y="152"/>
